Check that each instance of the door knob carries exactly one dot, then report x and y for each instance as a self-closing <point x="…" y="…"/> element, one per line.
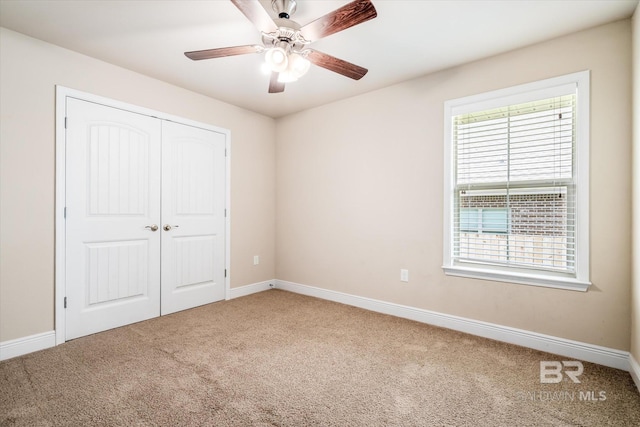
<point x="153" y="227"/>
<point x="168" y="227"/>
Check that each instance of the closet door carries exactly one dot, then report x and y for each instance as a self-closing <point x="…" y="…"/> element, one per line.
<point x="112" y="218"/>
<point x="193" y="216"/>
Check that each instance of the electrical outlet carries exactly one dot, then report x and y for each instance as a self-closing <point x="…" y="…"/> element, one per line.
<point x="256" y="259"/>
<point x="404" y="275"/>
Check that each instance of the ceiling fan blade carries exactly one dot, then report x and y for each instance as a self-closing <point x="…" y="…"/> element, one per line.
<point x="347" y="16"/>
<point x="255" y="13"/>
<point x="336" y="65"/>
<point x="197" y="55"/>
<point x="274" y="85"/>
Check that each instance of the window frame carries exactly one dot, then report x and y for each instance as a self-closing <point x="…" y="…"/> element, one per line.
<point x="511" y="96"/>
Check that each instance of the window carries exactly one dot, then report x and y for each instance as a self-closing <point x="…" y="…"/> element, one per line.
<point x="517" y="185"/>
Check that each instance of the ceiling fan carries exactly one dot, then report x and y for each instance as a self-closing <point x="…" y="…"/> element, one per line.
<point x="285" y="41"/>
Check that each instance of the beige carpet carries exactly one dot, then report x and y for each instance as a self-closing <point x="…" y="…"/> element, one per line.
<point x="281" y="359"/>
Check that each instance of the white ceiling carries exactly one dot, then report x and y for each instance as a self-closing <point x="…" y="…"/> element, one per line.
<point x="407" y="39"/>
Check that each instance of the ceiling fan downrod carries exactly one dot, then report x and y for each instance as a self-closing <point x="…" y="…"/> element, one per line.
<point x="284" y="8"/>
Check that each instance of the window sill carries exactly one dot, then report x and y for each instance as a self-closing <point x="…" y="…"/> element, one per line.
<point x="519" y="278"/>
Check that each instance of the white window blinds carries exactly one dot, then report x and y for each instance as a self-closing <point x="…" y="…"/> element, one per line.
<point x="514" y="196"/>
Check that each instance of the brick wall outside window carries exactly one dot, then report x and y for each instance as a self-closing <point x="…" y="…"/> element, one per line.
<point x="538" y="230"/>
<point x="531" y="214"/>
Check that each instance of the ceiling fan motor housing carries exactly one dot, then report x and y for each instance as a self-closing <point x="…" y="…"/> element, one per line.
<point x="288" y="32"/>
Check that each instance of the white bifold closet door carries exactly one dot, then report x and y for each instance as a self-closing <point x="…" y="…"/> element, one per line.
<point x="145" y="226"/>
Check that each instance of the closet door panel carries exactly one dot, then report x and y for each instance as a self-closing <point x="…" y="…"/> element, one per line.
<point x="193" y="216"/>
<point x="112" y="203"/>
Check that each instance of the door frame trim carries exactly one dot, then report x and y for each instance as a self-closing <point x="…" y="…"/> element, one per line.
<point x="62" y="93"/>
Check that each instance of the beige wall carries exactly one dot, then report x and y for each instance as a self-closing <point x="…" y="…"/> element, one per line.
<point x="635" y="300"/>
<point x="29" y="71"/>
<point x="360" y="190"/>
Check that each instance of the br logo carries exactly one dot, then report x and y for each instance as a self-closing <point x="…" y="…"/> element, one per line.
<point x="551" y="371"/>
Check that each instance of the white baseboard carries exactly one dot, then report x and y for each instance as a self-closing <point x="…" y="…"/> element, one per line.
<point x="241" y="291"/>
<point x="560" y="346"/>
<point x="634" y="370"/>
<point x="25" y="345"/>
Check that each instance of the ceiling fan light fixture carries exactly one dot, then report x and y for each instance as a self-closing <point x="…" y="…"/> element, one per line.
<point x="277" y="59"/>
<point x="297" y="67"/>
<point x="298" y="64"/>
